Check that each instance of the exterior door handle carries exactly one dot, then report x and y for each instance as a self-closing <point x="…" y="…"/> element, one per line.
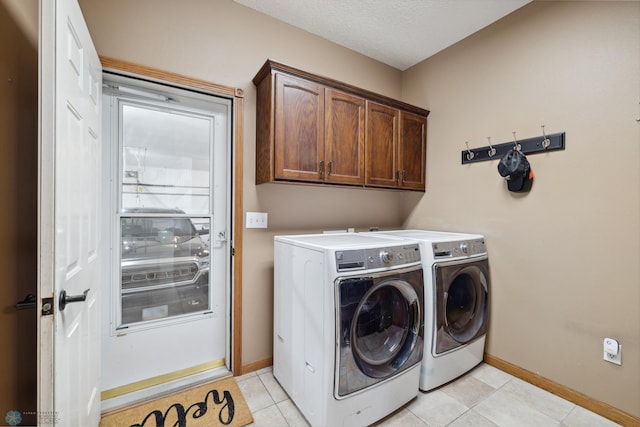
<point x="66" y="299"/>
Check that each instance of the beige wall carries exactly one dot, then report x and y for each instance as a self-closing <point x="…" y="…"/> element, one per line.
<point x="225" y="43"/>
<point x="565" y="259"/>
<point x="18" y="226"/>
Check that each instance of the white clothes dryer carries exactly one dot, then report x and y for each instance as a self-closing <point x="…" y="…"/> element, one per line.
<point x="457" y="293"/>
<point x="348" y="325"/>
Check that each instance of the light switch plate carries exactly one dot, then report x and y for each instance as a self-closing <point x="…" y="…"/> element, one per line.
<point x="257" y="220"/>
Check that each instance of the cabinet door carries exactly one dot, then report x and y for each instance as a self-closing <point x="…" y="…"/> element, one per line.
<point x="412" y="151"/>
<point x="344" y="143"/>
<point x="381" y="145"/>
<point x="299" y="129"/>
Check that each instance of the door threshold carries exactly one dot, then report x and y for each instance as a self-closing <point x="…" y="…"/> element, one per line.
<point x="116" y="400"/>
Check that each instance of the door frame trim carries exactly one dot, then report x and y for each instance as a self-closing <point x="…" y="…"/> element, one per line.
<point x="46" y="187"/>
<point x="161" y="76"/>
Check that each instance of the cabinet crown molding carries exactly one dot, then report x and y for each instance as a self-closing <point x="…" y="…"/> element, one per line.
<point x="271" y="66"/>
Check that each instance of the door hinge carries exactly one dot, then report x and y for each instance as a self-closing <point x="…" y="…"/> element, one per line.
<point x="47" y="306"/>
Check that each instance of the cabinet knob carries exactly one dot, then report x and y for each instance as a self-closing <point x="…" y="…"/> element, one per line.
<point x="329" y="167"/>
<point x="321" y="171"/>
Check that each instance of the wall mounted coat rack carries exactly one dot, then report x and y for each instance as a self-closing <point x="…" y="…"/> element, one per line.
<point x="538" y="144"/>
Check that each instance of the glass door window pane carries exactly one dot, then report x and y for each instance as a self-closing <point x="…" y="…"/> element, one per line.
<point x="166" y="159"/>
<point x="164" y="267"/>
<point x="166" y="185"/>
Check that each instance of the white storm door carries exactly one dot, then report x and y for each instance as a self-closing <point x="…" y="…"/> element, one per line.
<point x="167" y="197"/>
<point x="70" y="78"/>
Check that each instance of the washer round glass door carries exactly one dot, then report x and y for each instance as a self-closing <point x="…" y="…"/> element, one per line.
<point x="385" y="328"/>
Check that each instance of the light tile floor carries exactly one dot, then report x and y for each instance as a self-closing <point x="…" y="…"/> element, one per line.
<point x="484" y="397"/>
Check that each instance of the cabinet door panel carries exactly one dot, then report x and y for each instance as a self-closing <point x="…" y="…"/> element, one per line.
<point x="344" y="143"/>
<point x="299" y="129"/>
<point x="381" y="145"/>
<point x="412" y="150"/>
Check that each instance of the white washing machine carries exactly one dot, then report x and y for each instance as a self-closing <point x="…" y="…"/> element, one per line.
<point x="457" y="287"/>
<point x="348" y="325"/>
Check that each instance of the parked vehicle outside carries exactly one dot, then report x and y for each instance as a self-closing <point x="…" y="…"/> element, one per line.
<point x="164" y="265"/>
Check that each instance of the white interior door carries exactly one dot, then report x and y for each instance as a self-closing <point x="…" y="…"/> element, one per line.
<point x="69" y="218"/>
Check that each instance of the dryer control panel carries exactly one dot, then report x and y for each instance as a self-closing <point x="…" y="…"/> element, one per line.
<point x="368" y="259"/>
<point x="457" y="249"/>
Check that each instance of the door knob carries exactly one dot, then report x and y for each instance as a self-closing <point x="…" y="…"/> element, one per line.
<point x="66" y="299"/>
<point x="29" y="301"/>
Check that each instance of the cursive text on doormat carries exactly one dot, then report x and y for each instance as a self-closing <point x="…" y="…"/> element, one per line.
<point x="212" y="401"/>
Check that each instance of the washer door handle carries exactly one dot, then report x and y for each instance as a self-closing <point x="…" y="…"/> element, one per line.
<point x="415" y="308"/>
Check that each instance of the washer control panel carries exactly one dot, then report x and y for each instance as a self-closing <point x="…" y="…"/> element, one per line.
<point x="462" y="248"/>
<point x="367" y="259"/>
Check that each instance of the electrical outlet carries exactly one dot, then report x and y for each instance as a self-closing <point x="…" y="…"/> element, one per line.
<point x="612" y="351"/>
<point x="617" y="358"/>
<point x="257" y="220"/>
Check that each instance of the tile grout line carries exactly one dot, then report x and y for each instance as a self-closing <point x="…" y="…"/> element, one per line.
<point x="470" y="407"/>
<point x="560" y="422"/>
<point x="274" y="401"/>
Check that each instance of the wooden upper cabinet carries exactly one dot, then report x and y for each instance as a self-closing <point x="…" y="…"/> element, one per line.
<point x="299" y="129"/>
<point x="382" y="145"/>
<point x="396" y="148"/>
<point x="412" y="151"/>
<point x="314" y="129"/>
<point x="344" y="137"/>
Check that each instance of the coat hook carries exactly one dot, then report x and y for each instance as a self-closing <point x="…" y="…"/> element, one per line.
<point x="516" y="146"/>
<point x="470" y="154"/>
<point x="545" y="142"/>
<point x="492" y="151"/>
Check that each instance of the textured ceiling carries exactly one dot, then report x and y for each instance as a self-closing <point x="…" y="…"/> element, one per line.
<point x="399" y="33"/>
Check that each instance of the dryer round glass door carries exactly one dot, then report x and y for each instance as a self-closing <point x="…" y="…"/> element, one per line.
<point x="462" y="302"/>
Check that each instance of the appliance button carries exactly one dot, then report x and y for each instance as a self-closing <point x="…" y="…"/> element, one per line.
<point x="386" y="257"/>
<point x="464" y="247"/>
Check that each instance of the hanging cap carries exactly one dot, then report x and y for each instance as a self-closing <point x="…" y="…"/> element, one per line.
<point x="515" y="168"/>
